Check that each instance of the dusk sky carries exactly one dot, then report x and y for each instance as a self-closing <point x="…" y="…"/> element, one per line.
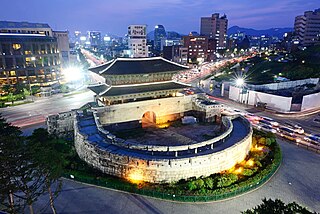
<point x="113" y="16"/>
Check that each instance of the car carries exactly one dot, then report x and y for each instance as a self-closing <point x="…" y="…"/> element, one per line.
<point x="252" y="116"/>
<point x="312" y="139"/>
<point x="285" y="130"/>
<point x="295" y="127"/>
<point x="268" y="129"/>
<point x="274" y="123"/>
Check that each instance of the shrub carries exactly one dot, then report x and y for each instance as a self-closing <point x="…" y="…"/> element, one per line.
<point x="269" y="141"/>
<point x="199" y="183"/>
<point x="262" y="140"/>
<point x="227" y="180"/>
<point x="209" y="182"/>
<point x="191" y="185"/>
<point x="247" y="172"/>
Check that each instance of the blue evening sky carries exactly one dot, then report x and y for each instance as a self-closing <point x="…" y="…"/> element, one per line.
<point x="113" y="16"/>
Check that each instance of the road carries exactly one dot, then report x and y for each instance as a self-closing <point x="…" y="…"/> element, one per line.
<point x="297" y="180"/>
<point x="33" y="115"/>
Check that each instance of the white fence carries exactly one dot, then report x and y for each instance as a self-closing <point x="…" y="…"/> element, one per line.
<point x="310" y="101"/>
<point x="253" y="97"/>
<point x="283" y="85"/>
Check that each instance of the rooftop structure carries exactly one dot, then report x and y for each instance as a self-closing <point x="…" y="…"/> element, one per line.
<point x="25" y="27"/>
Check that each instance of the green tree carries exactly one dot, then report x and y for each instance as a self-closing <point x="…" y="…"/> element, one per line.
<point x="11" y="98"/>
<point x="51" y="156"/>
<point x="277" y="206"/>
<point x="11" y="146"/>
<point x="26" y="92"/>
<point x="7" y="89"/>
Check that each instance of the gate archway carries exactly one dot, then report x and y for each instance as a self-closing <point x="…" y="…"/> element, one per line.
<point x="148" y="119"/>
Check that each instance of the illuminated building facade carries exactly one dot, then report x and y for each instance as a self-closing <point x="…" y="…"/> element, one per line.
<point x="197" y="48"/>
<point x="215" y="27"/>
<point x="28" y="59"/>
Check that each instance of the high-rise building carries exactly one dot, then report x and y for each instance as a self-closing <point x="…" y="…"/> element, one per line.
<point x="197" y="48"/>
<point x="215" y="27"/>
<point x="159" y="34"/>
<point x="94" y="38"/>
<point x="307" y="28"/>
<point x="137" y="41"/>
<point x="63" y="45"/>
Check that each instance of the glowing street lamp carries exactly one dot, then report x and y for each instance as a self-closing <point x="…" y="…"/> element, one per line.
<point x="72" y="74"/>
<point x="240" y="82"/>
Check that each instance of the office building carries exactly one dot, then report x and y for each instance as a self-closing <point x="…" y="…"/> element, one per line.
<point x="137" y="41"/>
<point x="63" y="46"/>
<point x="159" y="34"/>
<point x="28" y="59"/>
<point x="62" y="37"/>
<point x="215" y="27"/>
<point x="197" y="48"/>
<point x="307" y="28"/>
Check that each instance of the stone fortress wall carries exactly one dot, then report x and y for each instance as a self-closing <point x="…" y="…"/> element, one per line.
<point x="115" y="156"/>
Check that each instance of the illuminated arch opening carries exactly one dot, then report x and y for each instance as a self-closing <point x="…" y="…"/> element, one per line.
<point x="148" y="119"/>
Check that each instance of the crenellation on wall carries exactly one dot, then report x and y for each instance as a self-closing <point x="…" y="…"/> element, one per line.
<point x="162" y="170"/>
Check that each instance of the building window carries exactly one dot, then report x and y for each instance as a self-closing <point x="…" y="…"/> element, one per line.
<point x="12" y="73"/>
<point x="16" y="46"/>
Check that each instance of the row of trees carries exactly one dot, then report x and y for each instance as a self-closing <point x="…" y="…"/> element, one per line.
<point x="30" y="166"/>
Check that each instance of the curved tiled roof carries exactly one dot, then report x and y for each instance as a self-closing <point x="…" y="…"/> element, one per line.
<point x="143" y="88"/>
<point x="123" y="66"/>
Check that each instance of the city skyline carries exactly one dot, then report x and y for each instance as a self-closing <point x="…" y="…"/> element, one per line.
<point x="114" y="18"/>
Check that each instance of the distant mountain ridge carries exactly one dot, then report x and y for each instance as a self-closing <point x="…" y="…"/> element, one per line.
<point x="150" y="35"/>
<point x="278" y="32"/>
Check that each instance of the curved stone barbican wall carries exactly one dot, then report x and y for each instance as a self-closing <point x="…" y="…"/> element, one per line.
<point x="155" y="169"/>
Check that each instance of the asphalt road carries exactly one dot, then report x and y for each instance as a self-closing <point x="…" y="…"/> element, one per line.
<point x="297" y="180"/>
<point x="33" y="115"/>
